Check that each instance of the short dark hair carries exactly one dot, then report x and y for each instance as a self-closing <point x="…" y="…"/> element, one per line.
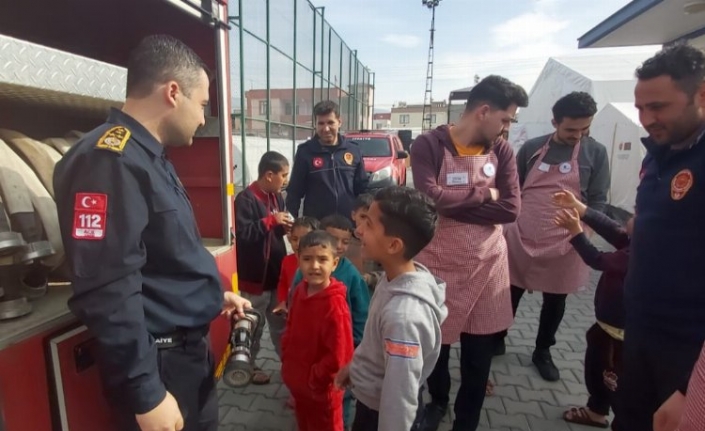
<point x="498" y="92"/>
<point x="318" y="238"/>
<point x="684" y="63"/>
<point x="363" y="201"/>
<point x="337" y="221"/>
<point x="158" y="59"/>
<point x="307" y="222"/>
<point x="271" y="161"/>
<point x="326" y="107"/>
<point x="408" y="215"/>
<point x="577" y="104"/>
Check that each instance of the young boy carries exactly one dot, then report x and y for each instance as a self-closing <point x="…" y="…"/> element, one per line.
<point x="403" y="334"/>
<point x="260" y="225"/>
<point x="358" y="294"/>
<point x="604" y="338"/>
<point x="290" y="264"/>
<point x="370" y="270"/>
<point x="317" y="342"/>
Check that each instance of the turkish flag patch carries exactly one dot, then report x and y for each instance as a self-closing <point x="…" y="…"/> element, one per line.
<point x="89" y="214"/>
<point x="317" y="162"/>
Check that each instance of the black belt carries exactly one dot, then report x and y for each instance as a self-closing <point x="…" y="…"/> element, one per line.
<point x="180" y="337"/>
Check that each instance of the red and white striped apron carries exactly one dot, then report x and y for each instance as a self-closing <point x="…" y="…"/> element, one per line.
<point x="470" y="258"/>
<point x="541" y="257"/>
<point x="694" y="411"/>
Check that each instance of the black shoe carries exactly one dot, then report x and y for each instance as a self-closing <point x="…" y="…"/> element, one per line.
<point x="430" y="418"/>
<point x="543" y="361"/>
<point x="501" y="348"/>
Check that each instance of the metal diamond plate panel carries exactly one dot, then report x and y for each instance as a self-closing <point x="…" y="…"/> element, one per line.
<point x="38" y="74"/>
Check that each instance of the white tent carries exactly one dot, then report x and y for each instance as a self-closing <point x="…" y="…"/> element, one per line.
<point x="607" y="77"/>
<point x="617" y="127"/>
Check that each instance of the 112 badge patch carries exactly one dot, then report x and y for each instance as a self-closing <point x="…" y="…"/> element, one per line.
<point x="89" y="214"/>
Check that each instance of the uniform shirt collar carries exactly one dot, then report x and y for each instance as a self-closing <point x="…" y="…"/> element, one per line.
<point x="138" y="132"/>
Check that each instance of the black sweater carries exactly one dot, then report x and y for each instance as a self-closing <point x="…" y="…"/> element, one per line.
<point x="259" y="240"/>
<point x="609" y="295"/>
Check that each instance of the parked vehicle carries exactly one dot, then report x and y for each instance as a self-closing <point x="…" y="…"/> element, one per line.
<point x="384" y="158"/>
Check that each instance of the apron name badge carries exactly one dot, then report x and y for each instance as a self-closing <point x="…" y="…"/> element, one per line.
<point x="544" y="167"/>
<point x="457" y="179"/>
<point x="488" y="169"/>
<point x="565" y="167"/>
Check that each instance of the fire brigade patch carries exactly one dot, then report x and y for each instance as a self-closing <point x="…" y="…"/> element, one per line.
<point x="317" y="162"/>
<point x="114" y="139"/>
<point x="89" y="214"/>
<point x="349" y="158"/>
<point x="401" y="349"/>
<point x="680" y="184"/>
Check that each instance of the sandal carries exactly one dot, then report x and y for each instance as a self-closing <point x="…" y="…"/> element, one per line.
<point x="580" y="416"/>
<point x="259" y="377"/>
<point x="489" y="389"/>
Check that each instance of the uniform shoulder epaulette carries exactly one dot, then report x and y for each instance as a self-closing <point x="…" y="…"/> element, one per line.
<point x="114" y="139"/>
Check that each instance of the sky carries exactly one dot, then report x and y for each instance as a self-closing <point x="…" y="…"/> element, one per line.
<point x="513" y="38"/>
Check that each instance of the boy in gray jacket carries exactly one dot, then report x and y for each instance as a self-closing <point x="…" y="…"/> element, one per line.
<point x="402" y="338"/>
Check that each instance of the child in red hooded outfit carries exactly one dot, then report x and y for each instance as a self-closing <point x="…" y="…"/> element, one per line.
<point x="318" y="341"/>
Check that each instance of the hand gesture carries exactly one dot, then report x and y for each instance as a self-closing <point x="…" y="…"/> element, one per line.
<point x="569" y="219"/>
<point x="342" y="379"/>
<point x="668" y="416"/>
<point x="235" y="304"/>
<point x="164" y="417"/>
<point x="280" y="309"/>
<point x="566" y="199"/>
<point x="284" y="219"/>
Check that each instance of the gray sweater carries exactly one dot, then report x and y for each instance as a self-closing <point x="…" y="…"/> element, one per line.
<point x="592" y="159"/>
<point x="400" y="346"/>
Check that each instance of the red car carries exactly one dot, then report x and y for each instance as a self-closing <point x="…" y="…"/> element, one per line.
<point x="384" y="158"/>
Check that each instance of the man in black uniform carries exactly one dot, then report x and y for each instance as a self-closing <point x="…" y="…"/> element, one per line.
<point x="143" y="283"/>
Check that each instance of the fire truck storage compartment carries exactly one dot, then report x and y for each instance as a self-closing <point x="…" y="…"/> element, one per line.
<point x="62" y="69"/>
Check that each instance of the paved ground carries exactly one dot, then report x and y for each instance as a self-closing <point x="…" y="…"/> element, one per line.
<point x="522" y="400"/>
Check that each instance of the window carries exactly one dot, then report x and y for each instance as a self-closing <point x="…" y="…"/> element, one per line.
<point x="263" y="105"/>
<point x="433" y="118"/>
<point x="404" y="119"/>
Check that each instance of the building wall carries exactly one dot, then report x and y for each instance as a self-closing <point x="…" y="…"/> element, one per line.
<point x="411" y="116"/>
<point x="285" y="58"/>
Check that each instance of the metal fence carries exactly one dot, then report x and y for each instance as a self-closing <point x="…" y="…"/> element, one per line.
<point x="285" y="58"/>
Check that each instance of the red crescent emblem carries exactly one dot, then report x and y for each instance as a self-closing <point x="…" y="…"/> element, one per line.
<point x="317" y="162"/>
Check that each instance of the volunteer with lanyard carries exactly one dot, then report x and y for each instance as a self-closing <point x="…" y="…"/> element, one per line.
<point x="540" y="255"/>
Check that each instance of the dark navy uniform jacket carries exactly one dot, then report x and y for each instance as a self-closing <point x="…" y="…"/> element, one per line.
<point x="139" y="269"/>
<point x="665" y="285"/>
<point x="328" y="178"/>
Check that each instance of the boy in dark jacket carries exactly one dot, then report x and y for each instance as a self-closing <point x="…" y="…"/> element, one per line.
<point x="260" y="225"/>
<point x="318" y="338"/>
<point x="328" y="170"/>
<point x="604" y="338"/>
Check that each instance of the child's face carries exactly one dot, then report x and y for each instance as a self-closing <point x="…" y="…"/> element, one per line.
<point x="357" y="216"/>
<point x="376" y="245"/>
<point x="295" y="236"/>
<point x="276" y="181"/>
<point x="343" y="238"/>
<point x="317" y="263"/>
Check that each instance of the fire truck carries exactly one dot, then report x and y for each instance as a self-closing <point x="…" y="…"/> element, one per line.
<point x="62" y="66"/>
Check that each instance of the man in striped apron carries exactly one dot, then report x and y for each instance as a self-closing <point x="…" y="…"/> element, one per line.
<point x="541" y="257"/>
<point x="469" y="171"/>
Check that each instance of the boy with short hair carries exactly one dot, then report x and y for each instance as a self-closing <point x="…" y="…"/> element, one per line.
<point x="260" y="225"/>
<point x="358" y="294"/>
<point x="402" y="338"/>
<point x="317" y="342"/>
<point x="370" y="270"/>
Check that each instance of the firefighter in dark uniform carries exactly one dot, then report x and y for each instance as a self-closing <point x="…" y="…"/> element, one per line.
<point x="143" y="283"/>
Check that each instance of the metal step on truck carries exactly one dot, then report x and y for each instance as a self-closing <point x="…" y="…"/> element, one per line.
<point x="62" y="67"/>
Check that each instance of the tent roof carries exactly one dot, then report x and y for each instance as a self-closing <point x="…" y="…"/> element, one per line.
<point x="605" y="66"/>
<point x="628" y="110"/>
